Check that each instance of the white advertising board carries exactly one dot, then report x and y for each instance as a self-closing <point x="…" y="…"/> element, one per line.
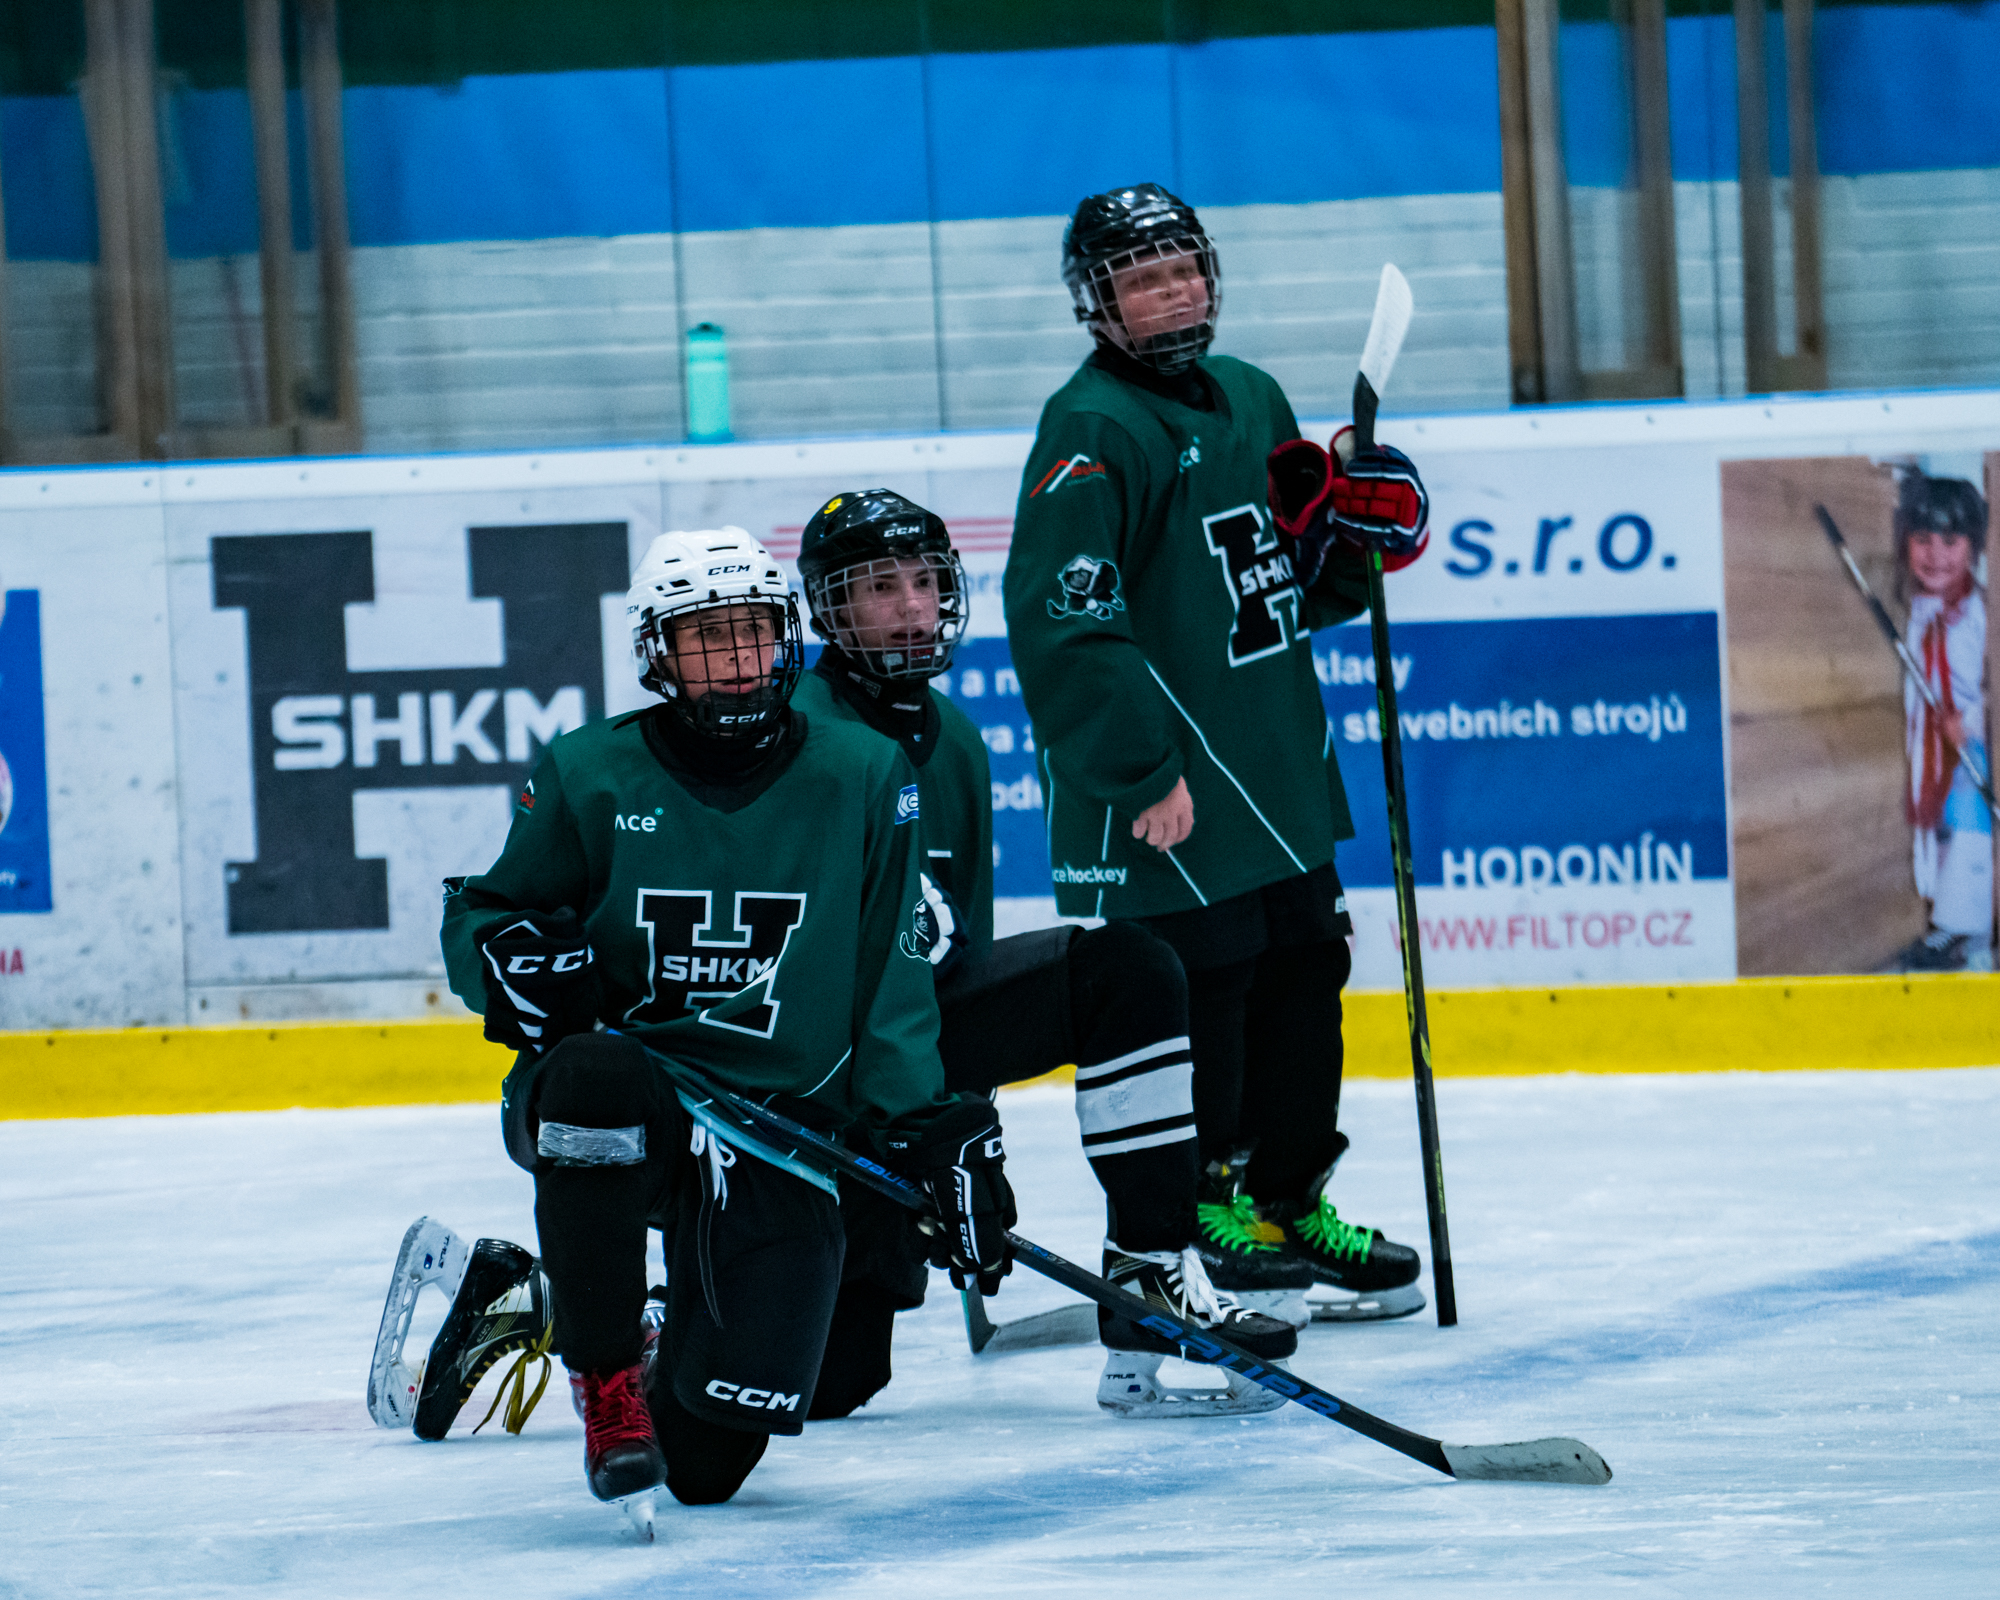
<point x="252" y="714"/>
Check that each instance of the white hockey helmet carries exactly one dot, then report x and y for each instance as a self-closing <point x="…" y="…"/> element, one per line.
<point x="714" y="569"/>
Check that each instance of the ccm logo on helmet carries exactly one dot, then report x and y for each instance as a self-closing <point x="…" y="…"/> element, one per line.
<point x="724" y="571"/>
<point x="755" y="1399"/>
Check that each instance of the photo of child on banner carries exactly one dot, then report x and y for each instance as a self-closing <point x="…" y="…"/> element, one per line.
<point x="1860" y="675"/>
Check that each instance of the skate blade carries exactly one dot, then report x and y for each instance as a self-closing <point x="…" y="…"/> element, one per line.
<point x="1381" y="1305"/>
<point x="1287" y="1305"/>
<point x="431" y="1255"/>
<point x="638" y="1509"/>
<point x="1131" y="1387"/>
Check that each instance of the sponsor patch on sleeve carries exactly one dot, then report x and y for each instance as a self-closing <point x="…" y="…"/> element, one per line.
<point x="906" y="804"/>
<point x="527" y="800"/>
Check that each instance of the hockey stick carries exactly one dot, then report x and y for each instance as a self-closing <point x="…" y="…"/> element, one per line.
<point x="1532" y="1461"/>
<point x="1046" y="1330"/>
<point x="1391" y="321"/>
<point x="1911" y="665"/>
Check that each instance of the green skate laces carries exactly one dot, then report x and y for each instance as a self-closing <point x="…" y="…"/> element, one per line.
<point x="1235" y="1225"/>
<point x="1322" y="1228"/>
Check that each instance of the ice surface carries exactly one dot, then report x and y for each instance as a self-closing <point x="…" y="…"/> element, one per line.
<point x="1769" y="1300"/>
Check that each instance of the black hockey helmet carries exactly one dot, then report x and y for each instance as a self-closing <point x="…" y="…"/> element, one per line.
<point x="1939" y="505"/>
<point x="872" y="537"/>
<point x="1125" y="228"/>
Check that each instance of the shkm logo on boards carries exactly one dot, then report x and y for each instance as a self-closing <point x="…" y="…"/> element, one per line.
<point x="319" y="732"/>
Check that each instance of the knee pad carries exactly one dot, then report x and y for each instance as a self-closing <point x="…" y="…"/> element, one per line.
<point x="596" y="1080"/>
<point x="706" y="1463"/>
<point x="855" y="1367"/>
<point x="1126" y="953"/>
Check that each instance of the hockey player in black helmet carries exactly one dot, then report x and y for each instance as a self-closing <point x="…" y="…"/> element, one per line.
<point x="658" y="888"/>
<point x="1187" y="766"/>
<point x="889" y="597"/>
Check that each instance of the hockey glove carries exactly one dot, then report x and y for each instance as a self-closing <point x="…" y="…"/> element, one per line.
<point x="540" y="982"/>
<point x="958" y="1158"/>
<point x="1316" y="499"/>
<point x="1378" y="502"/>
<point x="937" y="932"/>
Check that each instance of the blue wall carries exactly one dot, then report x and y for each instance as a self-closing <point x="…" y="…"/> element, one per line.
<point x="824" y="143"/>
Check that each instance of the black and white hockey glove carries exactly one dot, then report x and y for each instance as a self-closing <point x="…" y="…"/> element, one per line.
<point x="541" y="985"/>
<point x="958" y="1157"/>
<point x="937" y="932"/>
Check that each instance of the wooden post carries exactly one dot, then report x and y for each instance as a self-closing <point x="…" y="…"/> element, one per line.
<point x="1753" y="192"/>
<point x="153" y="367"/>
<point x="1555" y="260"/>
<point x="1653" y="163"/>
<point x="104" y="127"/>
<point x="1517" y="191"/>
<point x="1808" y="295"/>
<point x="319" y="51"/>
<point x="263" y="36"/>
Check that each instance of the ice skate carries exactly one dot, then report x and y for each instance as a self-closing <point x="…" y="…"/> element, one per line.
<point x="1371" y="1278"/>
<point x="1244" y="1254"/>
<point x="1939" y="951"/>
<point x="502" y="1306"/>
<point x="621" y="1457"/>
<point x="1176" y="1280"/>
<point x="431" y="1256"/>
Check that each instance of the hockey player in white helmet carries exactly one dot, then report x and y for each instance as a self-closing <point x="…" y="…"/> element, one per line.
<point x="732" y="885"/>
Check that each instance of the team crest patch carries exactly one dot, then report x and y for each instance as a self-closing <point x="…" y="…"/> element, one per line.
<point x="1089" y="588"/>
<point x="906" y="804"/>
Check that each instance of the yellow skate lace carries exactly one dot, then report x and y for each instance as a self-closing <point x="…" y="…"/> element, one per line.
<point x="514" y="1386"/>
<point x="1235" y="1225"/>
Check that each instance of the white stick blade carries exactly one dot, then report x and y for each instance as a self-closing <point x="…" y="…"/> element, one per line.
<point x="1393" y="307"/>
<point x="1535" y="1461"/>
<point x="1047" y="1330"/>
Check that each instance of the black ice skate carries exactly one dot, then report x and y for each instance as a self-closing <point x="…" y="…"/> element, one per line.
<point x="1245" y="1255"/>
<point x="1938" y="951"/>
<point x="1177" y="1281"/>
<point x="621" y="1456"/>
<point x="1374" y="1278"/>
<point x="502" y="1307"/>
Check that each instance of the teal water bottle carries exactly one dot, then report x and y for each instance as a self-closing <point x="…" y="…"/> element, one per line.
<point x="707" y="384"/>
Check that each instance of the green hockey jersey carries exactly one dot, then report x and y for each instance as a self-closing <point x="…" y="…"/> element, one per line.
<point x="955" y="788"/>
<point x="772" y="946"/>
<point x="1159" y="634"/>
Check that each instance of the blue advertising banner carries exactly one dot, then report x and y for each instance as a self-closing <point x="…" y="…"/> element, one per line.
<point x="24" y="788"/>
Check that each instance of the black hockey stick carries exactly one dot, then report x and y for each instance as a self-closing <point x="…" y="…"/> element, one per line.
<point x="1385" y="341"/>
<point x="1980" y="780"/>
<point x="1532" y="1461"/>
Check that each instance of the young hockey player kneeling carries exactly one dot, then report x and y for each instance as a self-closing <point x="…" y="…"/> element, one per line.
<point x="888" y="595"/>
<point x="728" y="884"/>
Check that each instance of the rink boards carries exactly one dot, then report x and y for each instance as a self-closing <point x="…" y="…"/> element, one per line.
<point x="1763" y="1025"/>
<point x="251" y="714"/>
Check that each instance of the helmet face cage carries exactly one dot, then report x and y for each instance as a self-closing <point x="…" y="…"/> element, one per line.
<point x="1169" y="349"/>
<point x="884" y="648"/>
<point x="712" y="713"/>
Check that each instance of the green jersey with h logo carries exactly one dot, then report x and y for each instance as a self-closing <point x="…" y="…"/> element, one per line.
<point x="774" y="945"/>
<point x="1159" y="634"/>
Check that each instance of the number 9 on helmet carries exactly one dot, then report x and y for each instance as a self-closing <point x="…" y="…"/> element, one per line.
<point x="715" y="632"/>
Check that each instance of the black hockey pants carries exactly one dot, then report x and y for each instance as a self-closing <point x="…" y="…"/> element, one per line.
<point x="1264" y="973"/>
<point x="1113" y="1002"/>
<point x="753" y="1255"/>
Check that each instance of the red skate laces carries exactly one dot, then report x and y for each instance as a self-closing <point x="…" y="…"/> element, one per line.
<point x="614" y="1411"/>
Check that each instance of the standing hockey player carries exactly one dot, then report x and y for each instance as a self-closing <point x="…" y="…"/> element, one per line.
<point x="1160" y="626"/>
<point x="887" y="594"/>
<point x="1940" y="528"/>
<point x="736" y="887"/>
